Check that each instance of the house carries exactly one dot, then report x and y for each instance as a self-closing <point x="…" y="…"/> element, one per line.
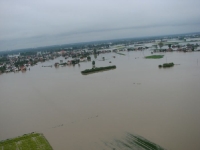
<point x="23" y="68"/>
<point x="56" y="64"/>
<point x="39" y="53"/>
<point x="14" y="56"/>
<point x="82" y="59"/>
<point x="169" y="50"/>
<point x="157" y="41"/>
<point x="69" y="62"/>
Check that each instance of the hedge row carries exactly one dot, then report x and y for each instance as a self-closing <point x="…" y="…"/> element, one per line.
<point x="97" y="69"/>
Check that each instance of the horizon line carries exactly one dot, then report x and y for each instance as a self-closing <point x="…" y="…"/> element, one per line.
<point x="139" y="37"/>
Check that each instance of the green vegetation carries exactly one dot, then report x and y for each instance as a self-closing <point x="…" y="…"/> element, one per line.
<point x="160" y="44"/>
<point x="88" y="58"/>
<point x="95" y="51"/>
<point x="20" y="63"/>
<point x="75" y="61"/>
<point x="93" y="62"/>
<point x="119" y="53"/>
<point x="2" y="69"/>
<point x="133" y="142"/>
<point x="3" y="59"/>
<point x="166" y="65"/>
<point x="33" y="141"/>
<point x="97" y="69"/>
<point x="28" y="53"/>
<point x="154" y="56"/>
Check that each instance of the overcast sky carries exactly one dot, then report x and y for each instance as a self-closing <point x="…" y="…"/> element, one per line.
<point x="33" y="23"/>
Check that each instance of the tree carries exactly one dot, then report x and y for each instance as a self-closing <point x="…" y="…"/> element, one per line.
<point x="95" y="51"/>
<point x="160" y="44"/>
<point x="192" y="48"/>
<point x="93" y="62"/>
<point x="169" y="45"/>
<point x="88" y="58"/>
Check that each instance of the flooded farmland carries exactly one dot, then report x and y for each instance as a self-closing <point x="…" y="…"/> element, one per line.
<point x="76" y="111"/>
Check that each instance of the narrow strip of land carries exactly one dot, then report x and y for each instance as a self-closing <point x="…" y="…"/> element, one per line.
<point x="93" y="70"/>
<point x="154" y="56"/>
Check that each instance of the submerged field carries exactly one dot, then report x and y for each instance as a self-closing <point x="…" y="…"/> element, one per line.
<point x="92" y="112"/>
<point x="133" y="142"/>
<point x="33" y="141"/>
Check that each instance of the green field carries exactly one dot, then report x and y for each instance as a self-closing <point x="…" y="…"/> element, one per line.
<point x="154" y="56"/>
<point x="33" y="141"/>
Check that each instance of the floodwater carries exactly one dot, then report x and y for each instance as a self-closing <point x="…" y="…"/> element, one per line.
<point x="76" y="111"/>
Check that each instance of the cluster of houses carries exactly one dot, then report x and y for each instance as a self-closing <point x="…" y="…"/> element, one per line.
<point x="179" y="48"/>
<point x="18" y="62"/>
<point x="14" y="63"/>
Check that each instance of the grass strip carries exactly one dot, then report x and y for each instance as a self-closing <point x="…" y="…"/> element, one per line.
<point x="32" y="141"/>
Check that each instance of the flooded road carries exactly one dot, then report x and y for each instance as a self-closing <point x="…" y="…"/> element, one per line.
<point x="76" y="111"/>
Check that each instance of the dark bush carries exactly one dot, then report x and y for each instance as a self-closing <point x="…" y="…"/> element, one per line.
<point x="168" y="65"/>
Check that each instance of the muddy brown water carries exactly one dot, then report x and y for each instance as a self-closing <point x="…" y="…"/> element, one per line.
<point x="76" y="111"/>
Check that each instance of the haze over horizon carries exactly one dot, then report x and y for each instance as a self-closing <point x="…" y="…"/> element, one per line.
<point x="42" y="23"/>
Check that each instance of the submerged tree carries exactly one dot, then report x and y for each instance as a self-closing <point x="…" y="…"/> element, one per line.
<point x="95" y="51"/>
<point x="88" y="58"/>
<point x="160" y="44"/>
<point x="93" y="62"/>
<point x="95" y="56"/>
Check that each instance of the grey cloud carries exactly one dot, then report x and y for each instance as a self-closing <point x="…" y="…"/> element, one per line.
<point x="52" y="20"/>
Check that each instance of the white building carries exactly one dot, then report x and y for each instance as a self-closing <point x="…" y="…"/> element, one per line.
<point x="14" y="55"/>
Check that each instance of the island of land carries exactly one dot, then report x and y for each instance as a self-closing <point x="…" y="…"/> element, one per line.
<point x="154" y="56"/>
<point x="97" y="69"/>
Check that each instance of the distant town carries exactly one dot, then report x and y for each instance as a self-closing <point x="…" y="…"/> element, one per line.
<point x="22" y="60"/>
